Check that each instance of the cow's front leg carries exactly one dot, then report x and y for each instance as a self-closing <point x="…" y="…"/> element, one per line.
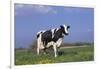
<point x="44" y="51"/>
<point x="55" y="50"/>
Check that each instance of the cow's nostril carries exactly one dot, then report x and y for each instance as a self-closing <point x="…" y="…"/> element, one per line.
<point x="68" y="27"/>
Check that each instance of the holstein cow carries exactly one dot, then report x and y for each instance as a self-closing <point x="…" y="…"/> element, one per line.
<point x="52" y="37"/>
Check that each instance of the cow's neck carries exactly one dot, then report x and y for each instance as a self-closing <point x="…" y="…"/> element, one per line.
<point x="58" y="34"/>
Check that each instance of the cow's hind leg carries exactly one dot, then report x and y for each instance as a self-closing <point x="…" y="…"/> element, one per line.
<point x="38" y="45"/>
<point x="37" y="50"/>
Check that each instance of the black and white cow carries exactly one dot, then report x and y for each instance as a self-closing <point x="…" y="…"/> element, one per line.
<point x="52" y="37"/>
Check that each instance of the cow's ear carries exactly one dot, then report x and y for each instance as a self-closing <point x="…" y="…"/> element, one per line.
<point x="61" y="26"/>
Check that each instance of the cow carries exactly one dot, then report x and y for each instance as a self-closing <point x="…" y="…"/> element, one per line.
<point x="51" y="37"/>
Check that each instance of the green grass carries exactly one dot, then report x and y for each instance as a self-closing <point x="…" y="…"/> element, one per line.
<point x="23" y="57"/>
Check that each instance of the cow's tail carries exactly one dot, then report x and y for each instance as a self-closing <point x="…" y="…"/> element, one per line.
<point x="39" y="42"/>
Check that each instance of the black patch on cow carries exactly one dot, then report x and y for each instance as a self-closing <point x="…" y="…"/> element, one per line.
<point x="58" y="34"/>
<point x="47" y="37"/>
<point x="38" y="35"/>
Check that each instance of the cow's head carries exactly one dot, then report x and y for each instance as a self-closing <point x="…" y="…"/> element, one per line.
<point x="64" y="29"/>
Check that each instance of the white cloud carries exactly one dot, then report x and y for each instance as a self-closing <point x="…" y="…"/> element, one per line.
<point x="75" y="9"/>
<point x="71" y="9"/>
<point x="17" y="9"/>
<point x="43" y="9"/>
<point x="19" y="6"/>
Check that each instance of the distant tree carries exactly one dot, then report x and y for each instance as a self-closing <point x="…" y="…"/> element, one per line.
<point x="33" y="46"/>
<point x="77" y="44"/>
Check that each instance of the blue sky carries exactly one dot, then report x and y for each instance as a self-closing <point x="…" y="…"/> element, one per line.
<point x="30" y="18"/>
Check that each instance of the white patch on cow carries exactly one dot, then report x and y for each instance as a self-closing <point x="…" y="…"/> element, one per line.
<point x="58" y="43"/>
<point x="50" y="44"/>
<point x="57" y="29"/>
<point x="55" y="50"/>
<point x="52" y="32"/>
<point x="65" y="28"/>
<point x="40" y="31"/>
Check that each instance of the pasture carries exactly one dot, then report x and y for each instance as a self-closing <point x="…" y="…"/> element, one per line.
<point x="68" y="54"/>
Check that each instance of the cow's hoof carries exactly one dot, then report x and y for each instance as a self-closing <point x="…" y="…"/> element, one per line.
<point x="60" y="53"/>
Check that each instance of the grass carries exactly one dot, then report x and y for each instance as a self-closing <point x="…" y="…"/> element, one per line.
<point x="25" y="57"/>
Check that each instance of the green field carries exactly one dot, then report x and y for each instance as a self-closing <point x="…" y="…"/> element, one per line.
<point x="76" y="54"/>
